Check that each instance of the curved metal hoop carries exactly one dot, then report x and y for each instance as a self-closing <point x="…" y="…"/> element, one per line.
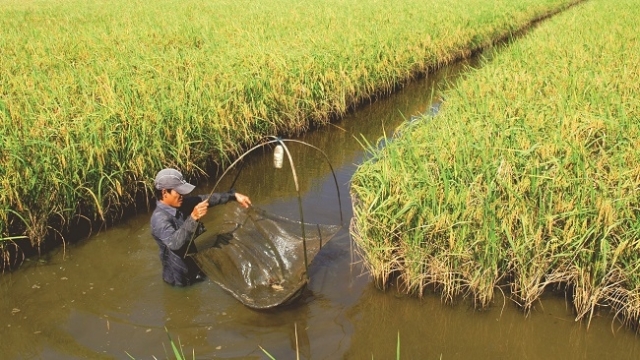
<point x="272" y="140"/>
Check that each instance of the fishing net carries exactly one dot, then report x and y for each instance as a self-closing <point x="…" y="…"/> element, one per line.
<point x="258" y="257"/>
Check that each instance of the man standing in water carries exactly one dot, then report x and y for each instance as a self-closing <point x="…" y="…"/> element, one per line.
<point x="174" y="224"/>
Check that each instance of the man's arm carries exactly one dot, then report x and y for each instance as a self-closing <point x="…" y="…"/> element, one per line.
<point x="218" y="198"/>
<point x="199" y="209"/>
<point x="222" y="198"/>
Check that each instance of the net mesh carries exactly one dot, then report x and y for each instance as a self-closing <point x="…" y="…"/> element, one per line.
<point x="258" y="257"/>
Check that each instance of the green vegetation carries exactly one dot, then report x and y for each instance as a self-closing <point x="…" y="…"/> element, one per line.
<point x="9" y="257"/>
<point x="529" y="176"/>
<point x="96" y="96"/>
<point x="176" y="349"/>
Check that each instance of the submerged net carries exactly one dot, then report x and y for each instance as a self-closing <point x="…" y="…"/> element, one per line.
<point x="258" y="257"/>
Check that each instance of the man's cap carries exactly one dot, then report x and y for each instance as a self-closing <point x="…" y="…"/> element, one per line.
<point x="172" y="179"/>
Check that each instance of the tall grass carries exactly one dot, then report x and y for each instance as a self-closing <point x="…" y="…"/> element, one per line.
<point x="528" y="177"/>
<point x="96" y="96"/>
<point x="176" y="349"/>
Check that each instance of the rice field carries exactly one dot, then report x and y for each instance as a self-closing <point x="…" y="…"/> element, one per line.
<point x="96" y="96"/>
<point x="527" y="180"/>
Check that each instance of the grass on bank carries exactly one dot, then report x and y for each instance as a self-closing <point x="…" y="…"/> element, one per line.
<point x="96" y="96"/>
<point x="178" y="352"/>
<point x="176" y="349"/>
<point x="529" y="176"/>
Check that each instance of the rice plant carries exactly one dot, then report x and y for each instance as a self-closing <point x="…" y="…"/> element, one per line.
<point x="96" y="96"/>
<point x="527" y="178"/>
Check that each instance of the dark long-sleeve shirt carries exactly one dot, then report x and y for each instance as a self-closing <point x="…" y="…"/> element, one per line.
<point x="174" y="229"/>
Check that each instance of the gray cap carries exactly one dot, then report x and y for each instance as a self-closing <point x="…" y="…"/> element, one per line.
<point x="172" y="179"/>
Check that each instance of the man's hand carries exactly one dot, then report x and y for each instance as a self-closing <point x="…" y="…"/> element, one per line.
<point x="243" y="200"/>
<point x="200" y="210"/>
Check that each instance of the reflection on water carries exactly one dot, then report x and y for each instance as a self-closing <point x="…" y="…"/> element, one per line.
<point x="104" y="297"/>
<point x="430" y="330"/>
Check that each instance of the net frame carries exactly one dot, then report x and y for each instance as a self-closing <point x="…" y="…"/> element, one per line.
<point x="297" y="290"/>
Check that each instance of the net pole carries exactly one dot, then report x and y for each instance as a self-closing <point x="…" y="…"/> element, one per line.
<point x="295" y="181"/>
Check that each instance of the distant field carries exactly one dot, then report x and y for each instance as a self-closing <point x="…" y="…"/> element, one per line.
<point x="528" y="178"/>
<point x="96" y="96"/>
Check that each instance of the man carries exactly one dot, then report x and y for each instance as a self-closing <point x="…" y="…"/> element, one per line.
<point x="174" y="224"/>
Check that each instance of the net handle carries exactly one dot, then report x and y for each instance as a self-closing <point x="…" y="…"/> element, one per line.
<point x="272" y="140"/>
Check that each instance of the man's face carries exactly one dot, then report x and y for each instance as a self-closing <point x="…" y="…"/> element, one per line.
<point x="172" y="198"/>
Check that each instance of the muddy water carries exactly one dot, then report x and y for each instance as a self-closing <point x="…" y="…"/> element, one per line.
<point x="103" y="298"/>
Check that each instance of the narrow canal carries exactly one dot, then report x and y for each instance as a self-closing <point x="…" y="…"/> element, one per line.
<point x="104" y="298"/>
